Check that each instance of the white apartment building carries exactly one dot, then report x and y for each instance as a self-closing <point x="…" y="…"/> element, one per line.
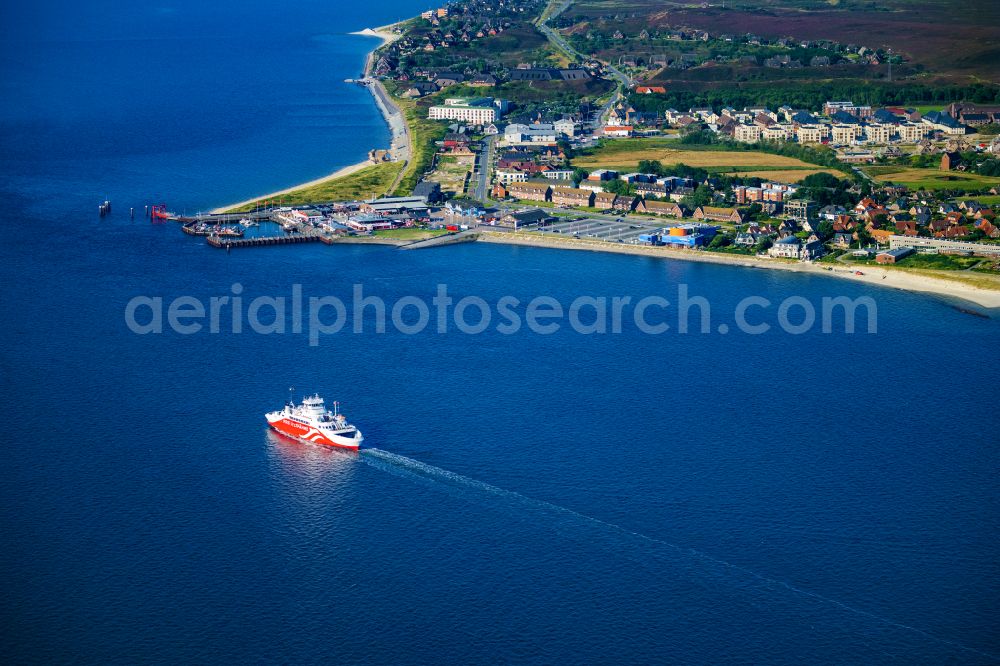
<point x="845" y="134"/>
<point x="474" y="111"/>
<point x="911" y="132"/>
<point x="748" y="133"/>
<point x="776" y="133"/>
<point x="878" y="133"/>
<point x="565" y="127"/>
<point x="811" y="133"/>
<point x="508" y="176"/>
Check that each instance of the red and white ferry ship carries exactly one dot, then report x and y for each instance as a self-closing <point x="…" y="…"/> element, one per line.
<point x="312" y="422"/>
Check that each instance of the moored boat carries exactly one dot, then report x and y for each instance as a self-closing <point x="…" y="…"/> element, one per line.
<point x="160" y="212"/>
<point x="235" y="231"/>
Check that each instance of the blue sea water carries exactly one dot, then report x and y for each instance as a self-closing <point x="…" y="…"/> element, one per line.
<point x="619" y="498"/>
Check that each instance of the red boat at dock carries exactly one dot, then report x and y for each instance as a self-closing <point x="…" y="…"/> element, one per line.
<point x="160" y="212"/>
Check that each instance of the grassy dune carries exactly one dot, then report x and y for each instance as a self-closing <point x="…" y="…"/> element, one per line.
<point x="362" y="184"/>
<point x="423" y="134"/>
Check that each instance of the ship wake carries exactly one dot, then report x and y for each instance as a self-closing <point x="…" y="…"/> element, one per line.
<point x="443" y="479"/>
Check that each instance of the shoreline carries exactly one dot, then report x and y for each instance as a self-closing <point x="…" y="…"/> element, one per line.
<point x="400" y="151"/>
<point x="339" y="173"/>
<point x="399" y="142"/>
<point x="894" y="279"/>
<point x="400" y="137"/>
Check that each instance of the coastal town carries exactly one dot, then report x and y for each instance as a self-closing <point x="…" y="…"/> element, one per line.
<point x="505" y="131"/>
<point x="479" y="332"/>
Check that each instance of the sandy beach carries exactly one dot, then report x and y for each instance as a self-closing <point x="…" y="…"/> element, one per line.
<point x="385" y="33"/>
<point x="399" y="148"/>
<point x="340" y="173"/>
<point x="880" y="277"/>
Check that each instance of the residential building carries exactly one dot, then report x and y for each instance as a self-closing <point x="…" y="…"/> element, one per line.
<point x="508" y="176"/>
<point x="718" y="214"/>
<point x="445" y="79"/>
<point x="664" y="208"/>
<point x="572" y="196"/>
<point x="878" y="133"/>
<point x="830" y="108"/>
<point x="911" y="132"/>
<point x="651" y="189"/>
<point x="604" y="200"/>
<point x="483" y="81"/>
<point x="543" y="133"/>
<point x="943" y="122"/>
<point x="786" y="248"/>
<point x="776" y="133"/>
<point x="801" y="209"/>
<point x="842" y="239"/>
<point x="748" y="133"/>
<point x="531" y="191"/>
<point x="811" y="133"/>
<point x="845" y="134"/>
<point x="812" y="249"/>
<point x="566" y="128"/>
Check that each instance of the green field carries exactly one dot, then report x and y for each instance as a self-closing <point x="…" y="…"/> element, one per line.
<point x="371" y="180"/>
<point x="931" y="179"/>
<point x="988" y="199"/>
<point x="625" y="154"/>
<point x="409" y="233"/>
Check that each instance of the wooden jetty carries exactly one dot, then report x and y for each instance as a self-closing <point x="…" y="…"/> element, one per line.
<point x="225" y="218"/>
<point x="260" y="241"/>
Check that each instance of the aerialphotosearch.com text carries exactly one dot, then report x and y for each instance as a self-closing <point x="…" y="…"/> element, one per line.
<point x="319" y="317"/>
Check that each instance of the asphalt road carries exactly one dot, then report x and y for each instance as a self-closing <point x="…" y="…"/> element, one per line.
<point x="482" y="173"/>
<point x="560" y="43"/>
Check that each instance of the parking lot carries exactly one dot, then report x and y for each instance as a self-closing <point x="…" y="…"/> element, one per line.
<point x="625" y="230"/>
